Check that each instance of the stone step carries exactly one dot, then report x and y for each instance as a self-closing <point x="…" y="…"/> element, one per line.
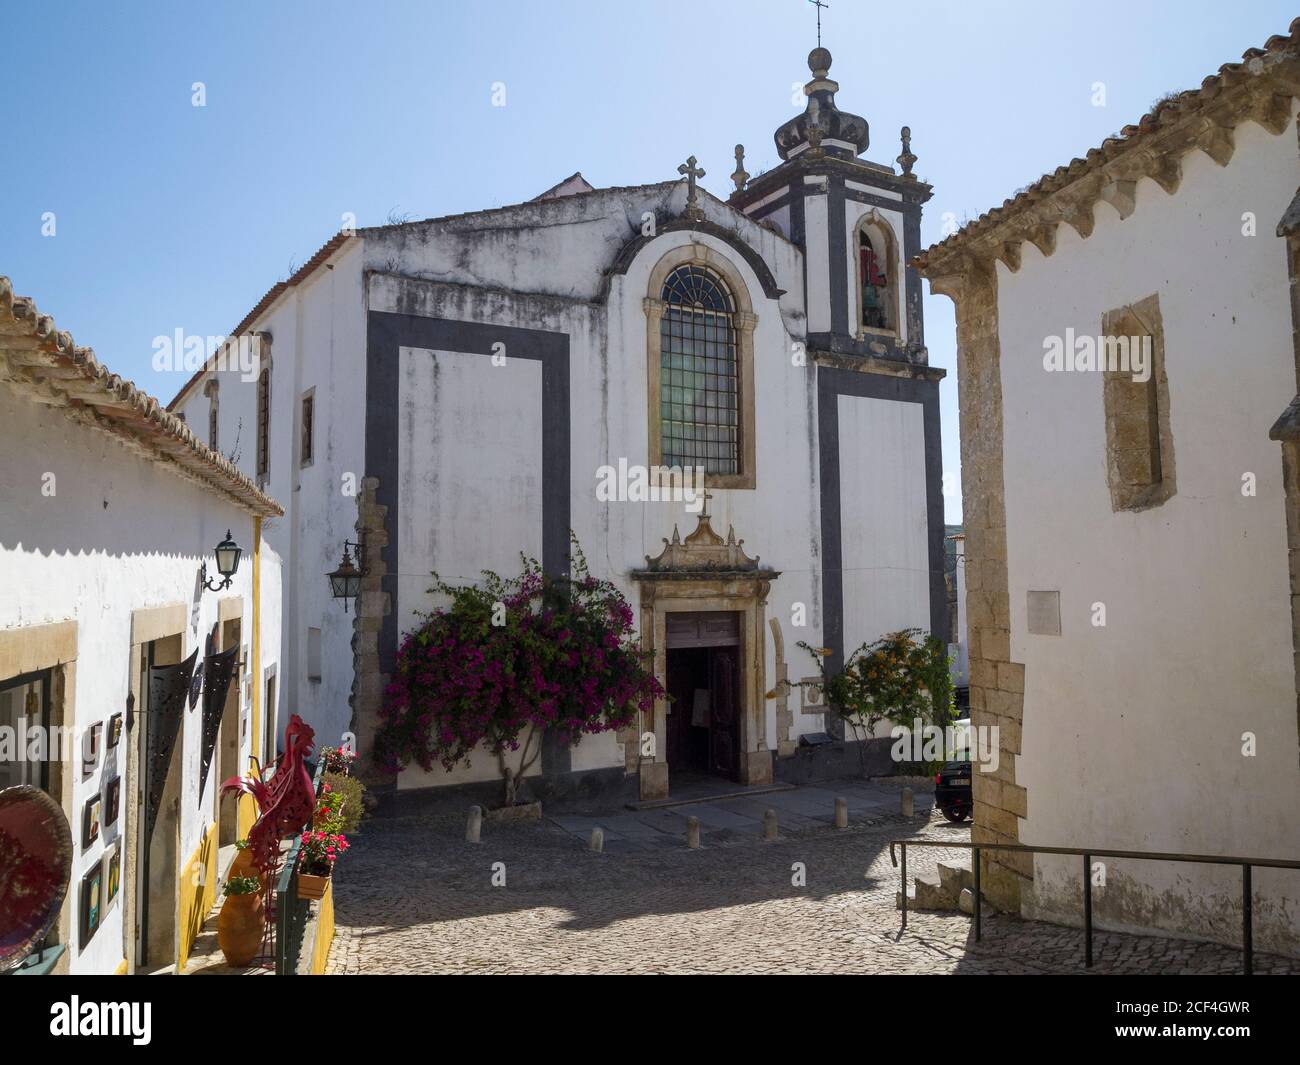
<point x="927" y="895"/>
<point x="956" y="877"/>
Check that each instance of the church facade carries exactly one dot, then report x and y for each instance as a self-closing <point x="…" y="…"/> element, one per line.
<point x="449" y="393"/>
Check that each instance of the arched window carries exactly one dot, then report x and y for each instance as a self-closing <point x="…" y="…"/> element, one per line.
<point x="699" y="373"/>
<point x="873" y="275"/>
<point x="879" y="267"/>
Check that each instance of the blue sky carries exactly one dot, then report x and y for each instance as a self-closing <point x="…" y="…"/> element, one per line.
<point x="173" y="216"/>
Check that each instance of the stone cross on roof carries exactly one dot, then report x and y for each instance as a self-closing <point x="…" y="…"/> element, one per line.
<point x="692" y="172"/>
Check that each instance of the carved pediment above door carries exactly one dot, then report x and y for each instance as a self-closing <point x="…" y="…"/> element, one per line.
<point x="703" y="552"/>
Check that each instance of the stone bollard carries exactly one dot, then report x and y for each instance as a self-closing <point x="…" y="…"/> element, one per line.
<point x="474" y="825"/>
<point x="907" y="802"/>
<point x="693" y="833"/>
<point x="597" y="842"/>
<point x="769" y="825"/>
<point x="841" y="812"/>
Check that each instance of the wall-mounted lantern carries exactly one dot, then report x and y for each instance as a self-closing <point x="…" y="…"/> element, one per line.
<point x="228" y="554"/>
<point x="345" y="582"/>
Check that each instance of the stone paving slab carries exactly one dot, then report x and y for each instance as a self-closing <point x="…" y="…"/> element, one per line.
<point x="414" y="897"/>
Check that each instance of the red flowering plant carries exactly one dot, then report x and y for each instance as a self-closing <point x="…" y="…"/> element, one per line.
<point x="509" y="660"/>
<point x="338" y="759"/>
<point x="328" y="815"/>
<point x="320" y="850"/>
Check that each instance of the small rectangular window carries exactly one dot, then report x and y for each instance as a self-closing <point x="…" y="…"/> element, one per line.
<point x="264" y="422"/>
<point x="313" y="654"/>
<point x="308" y="426"/>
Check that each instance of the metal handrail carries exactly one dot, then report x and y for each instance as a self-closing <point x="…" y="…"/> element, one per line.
<point x="1088" y="854"/>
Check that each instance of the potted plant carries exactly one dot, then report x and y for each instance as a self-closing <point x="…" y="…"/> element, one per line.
<point x="903" y="677"/>
<point x="320" y="850"/>
<point x="338" y="759"/>
<point x="329" y="810"/>
<point x="241" y="923"/>
<point x="244" y="864"/>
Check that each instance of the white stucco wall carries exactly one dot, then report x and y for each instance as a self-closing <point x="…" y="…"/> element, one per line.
<point x="120" y="533"/>
<point x="1133" y="732"/>
<point x="318" y="344"/>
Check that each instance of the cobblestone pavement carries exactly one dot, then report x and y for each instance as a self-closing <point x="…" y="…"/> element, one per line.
<point x="414" y="897"/>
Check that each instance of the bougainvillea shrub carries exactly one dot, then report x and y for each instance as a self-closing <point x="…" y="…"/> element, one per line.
<point x="508" y="659"/>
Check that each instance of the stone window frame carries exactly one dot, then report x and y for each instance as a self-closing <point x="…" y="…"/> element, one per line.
<point x="873" y="219"/>
<point x="212" y="389"/>
<point x="1140" y="318"/>
<point x="743" y="318"/>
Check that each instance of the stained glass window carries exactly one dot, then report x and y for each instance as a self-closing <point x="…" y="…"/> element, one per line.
<point x="699" y="373"/>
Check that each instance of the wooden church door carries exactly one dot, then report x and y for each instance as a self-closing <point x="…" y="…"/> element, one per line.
<point x="724" y="733"/>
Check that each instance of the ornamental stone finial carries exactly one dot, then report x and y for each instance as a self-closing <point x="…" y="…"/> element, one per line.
<point x="907" y="160"/>
<point x="740" y="176"/>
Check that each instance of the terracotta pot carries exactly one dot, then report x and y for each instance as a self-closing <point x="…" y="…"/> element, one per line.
<point x="243" y="865"/>
<point x="239" y="928"/>
<point x="311" y="887"/>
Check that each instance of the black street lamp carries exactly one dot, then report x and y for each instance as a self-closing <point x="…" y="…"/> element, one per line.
<point x="345" y="582"/>
<point x="228" y="554"/>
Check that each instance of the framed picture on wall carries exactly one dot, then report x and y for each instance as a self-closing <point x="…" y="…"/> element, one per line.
<point x="114" y="730"/>
<point x="92" y="885"/>
<point x="90" y="820"/>
<point x="90" y="741"/>
<point x="112" y="875"/>
<point x="112" y="801"/>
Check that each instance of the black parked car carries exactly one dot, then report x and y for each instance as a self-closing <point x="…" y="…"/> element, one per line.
<point x="952" y="790"/>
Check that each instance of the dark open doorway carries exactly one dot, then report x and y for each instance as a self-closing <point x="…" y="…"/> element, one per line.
<point x="704" y="680"/>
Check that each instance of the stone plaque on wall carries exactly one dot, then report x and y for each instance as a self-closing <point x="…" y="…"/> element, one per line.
<point x="1044" y="611"/>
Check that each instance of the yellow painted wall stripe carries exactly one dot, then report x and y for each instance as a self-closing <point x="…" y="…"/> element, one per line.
<point x="198" y="890"/>
<point x="320" y="954"/>
<point x="257" y="639"/>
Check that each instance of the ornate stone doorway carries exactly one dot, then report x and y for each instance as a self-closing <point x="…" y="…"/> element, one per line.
<point x="712" y="578"/>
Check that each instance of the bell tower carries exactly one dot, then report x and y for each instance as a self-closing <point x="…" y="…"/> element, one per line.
<point x="858" y="223"/>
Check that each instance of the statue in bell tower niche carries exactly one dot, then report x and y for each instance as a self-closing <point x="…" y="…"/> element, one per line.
<point x="874" y="285"/>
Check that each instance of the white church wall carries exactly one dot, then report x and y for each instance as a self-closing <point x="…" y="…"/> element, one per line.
<point x="779" y="519"/>
<point x="883" y="520"/>
<point x="119" y="534"/>
<point x="1133" y="732"/>
<point x="817" y="242"/>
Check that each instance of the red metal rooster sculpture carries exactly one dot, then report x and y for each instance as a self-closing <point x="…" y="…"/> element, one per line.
<point x="285" y="804"/>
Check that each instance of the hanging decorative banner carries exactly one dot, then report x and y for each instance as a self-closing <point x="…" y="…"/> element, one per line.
<point x="168" y="688"/>
<point x="219" y="670"/>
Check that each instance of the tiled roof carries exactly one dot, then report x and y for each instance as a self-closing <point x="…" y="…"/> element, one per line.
<point x="38" y="360"/>
<point x="272" y="294"/>
<point x="1148" y="139"/>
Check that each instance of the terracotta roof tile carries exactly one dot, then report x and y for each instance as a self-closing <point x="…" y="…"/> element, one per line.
<point x="1163" y="115"/>
<point x="39" y="360"/>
